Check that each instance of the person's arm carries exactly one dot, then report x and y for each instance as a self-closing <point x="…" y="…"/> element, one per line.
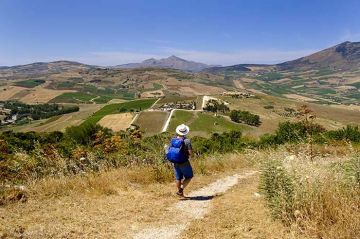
<point x="190" y="152"/>
<point x="188" y="146"/>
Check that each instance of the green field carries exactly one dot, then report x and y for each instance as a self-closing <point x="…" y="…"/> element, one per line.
<point x="30" y="83"/>
<point x="136" y="105"/>
<point x="356" y="84"/>
<point x="180" y="117"/>
<point x="204" y="124"/>
<point x="151" y="122"/>
<point x="75" y="97"/>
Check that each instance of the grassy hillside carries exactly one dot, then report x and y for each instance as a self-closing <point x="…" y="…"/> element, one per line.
<point x="204" y="124"/>
<point x="151" y="122"/>
<point x="136" y="105"/>
<point x="30" y="83"/>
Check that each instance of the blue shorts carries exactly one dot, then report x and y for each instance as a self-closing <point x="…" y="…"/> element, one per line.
<point x="183" y="171"/>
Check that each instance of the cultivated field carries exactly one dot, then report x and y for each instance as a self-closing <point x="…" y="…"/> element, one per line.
<point x="129" y="106"/>
<point x="152" y="94"/>
<point x="204" y="124"/>
<point x="186" y="88"/>
<point x="117" y="122"/>
<point x="8" y="92"/>
<point x="59" y="123"/>
<point x="329" y="117"/>
<point x="299" y="97"/>
<point x="42" y="95"/>
<point x="151" y="122"/>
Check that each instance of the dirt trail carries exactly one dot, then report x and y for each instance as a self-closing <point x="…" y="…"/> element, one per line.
<point x="195" y="206"/>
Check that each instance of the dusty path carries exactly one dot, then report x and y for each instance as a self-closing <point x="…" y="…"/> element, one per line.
<point x="195" y="206"/>
<point x="167" y="122"/>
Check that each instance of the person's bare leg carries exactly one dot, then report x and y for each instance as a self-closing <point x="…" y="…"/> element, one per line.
<point x="186" y="182"/>
<point x="178" y="184"/>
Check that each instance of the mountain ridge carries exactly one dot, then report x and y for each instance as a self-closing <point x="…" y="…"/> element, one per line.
<point x="345" y="56"/>
<point x="172" y="62"/>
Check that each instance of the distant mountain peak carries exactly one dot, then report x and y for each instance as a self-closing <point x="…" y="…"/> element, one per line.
<point x="175" y="58"/>
<point x="173" y="62"/>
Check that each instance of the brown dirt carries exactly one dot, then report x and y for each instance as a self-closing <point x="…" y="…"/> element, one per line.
<point x="152" y="94"/>
<point x="299" y="97"/>
<point x="8" y="92"/>
<point x="117" y="122"/>
<point x="42" y="95"/>
<point x="191" y="88"/>
<point x="238" y="84"/>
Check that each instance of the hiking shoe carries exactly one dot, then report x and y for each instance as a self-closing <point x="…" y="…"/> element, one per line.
<point x="180" y="193"/>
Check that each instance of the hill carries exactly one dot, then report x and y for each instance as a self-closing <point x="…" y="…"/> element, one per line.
<point x="344" y="56"/>
<point x="223" y="69"/>
<point x="42" y="68"/>
<point x="172" y="62"/>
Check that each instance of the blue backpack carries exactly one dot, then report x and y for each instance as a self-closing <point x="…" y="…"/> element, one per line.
<point x="176" y="152"/>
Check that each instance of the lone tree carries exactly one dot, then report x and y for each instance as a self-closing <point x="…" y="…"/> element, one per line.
<point x="307" y="117"/>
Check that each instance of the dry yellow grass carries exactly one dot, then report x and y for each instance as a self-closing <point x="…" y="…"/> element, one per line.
<point x="152" y="94"/>
<point x="121" y="202"/>
<point x="238" y="84"/>
<point x="8" y="92"/>
<point x="112" y="204"/>
<point x="42" y="95"/>
<point x="239" y="214"/>
<point x="117" y="122"/>
<point x="328" y="116"/>
<point x="186" y="88"/>
<point x="299" y="97"/>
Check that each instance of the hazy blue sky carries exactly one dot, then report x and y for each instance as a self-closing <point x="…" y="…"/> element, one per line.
<point x="109" y="32"/>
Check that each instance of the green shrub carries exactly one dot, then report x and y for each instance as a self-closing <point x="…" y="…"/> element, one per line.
<point x="278" y="187"/>
<point x="348" y="133"/>
<point x="268" y="107"/>
<point x="246" y="117"/>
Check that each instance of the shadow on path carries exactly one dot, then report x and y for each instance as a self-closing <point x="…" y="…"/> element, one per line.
<point x="199" y="198"/>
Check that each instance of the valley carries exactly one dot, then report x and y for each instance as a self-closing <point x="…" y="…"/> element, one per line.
<point x="279" y="87"/>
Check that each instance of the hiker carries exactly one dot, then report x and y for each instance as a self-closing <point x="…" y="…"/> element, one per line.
<point x="178" y="154"/>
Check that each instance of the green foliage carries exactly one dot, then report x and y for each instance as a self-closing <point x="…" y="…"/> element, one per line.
<point x="39" y="111"/>
<point x="351" y="170"/>
<point x="245" y="117"/>
<point x="349" y="133"/>
<point x="324" y="71"/>
<point x="224" y="142"/>
<point x="65" y="85"/>
<point x="356" y="84"/>
<point x="74" y="97"/>
<point x="270" y="76"/>
<point x="216" y="106"/>
<point x="291" y="132"/>
<point x="30" y="83"/>
<point x="83" y="134"/>
<point x="278" y="188"/>
<point x="268" y="107"/>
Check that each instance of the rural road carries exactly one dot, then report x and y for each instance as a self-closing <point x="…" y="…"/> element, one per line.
<point x="195" y="206"/>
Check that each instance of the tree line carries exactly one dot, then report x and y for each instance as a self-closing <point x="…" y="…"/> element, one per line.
<point x="38" y="111"/>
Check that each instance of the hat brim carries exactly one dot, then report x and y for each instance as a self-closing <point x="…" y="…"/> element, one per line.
<point x="184" y="132"/>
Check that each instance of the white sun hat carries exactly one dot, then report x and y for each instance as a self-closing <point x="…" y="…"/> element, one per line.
<point x="182" y="130"/>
